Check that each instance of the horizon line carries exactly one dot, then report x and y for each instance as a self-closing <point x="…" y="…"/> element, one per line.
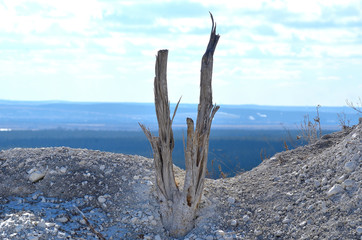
<point x="172" y="103"/>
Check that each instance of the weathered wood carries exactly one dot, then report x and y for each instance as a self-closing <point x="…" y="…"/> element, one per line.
<point x="178" y="206"/>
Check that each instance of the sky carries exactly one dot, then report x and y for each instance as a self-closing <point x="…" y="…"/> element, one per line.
<point x="286" y="53"/>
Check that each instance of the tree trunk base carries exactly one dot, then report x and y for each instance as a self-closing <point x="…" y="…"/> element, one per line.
<point x="177" y="218"/>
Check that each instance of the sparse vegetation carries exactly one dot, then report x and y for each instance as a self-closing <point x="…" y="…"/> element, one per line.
<point x="343" y="121"/>
<point x="355" y="106"/>
<point x="310" y="131"/>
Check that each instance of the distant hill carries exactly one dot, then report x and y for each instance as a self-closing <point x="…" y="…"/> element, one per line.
<point x="125" y="116"/>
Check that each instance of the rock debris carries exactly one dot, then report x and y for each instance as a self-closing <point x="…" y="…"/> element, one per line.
<point x="312" y="192"/>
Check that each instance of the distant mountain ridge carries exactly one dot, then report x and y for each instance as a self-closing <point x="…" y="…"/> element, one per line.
<point x="36" y="115"/>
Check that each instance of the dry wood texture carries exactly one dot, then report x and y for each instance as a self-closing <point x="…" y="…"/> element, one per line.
<point x="178" y="206"/>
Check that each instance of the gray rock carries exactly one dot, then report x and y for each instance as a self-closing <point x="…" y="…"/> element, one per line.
<point x="36" y="176"/>
<point x="246" y="218"/>
<point x="316" y="183"/>
<point x="62" y="219"/>
<point x="233" y="222"/>
<point x="286" y="220"/>
<point x="348" y="183"/>
<point x="337" y="188"/>
<point x="231" y="200"/>
<point x="101" y="199"/>
<point x="350" y="166"/>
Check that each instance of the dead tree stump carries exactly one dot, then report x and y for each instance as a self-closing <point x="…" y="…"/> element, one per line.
<point x="178" y="206"/>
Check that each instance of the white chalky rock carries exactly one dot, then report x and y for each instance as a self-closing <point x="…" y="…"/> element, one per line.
<point x="36" y="176"/>
<point x="337" y="188"/>
<point x="246" y="218"/>
<point x="302" y="224"/>
<point x="102" y="199"/>
<point x="231" y="200"/>
<point x="42" y="224"/>
<point x="63" y="169"/>
<point x="286" y="220"/>
<point x="233" y="222"/>
<point x="220" y="233"/>
<point x="359" y="230"/>
<point x="62" y="219"/>
<point x="350" y="166"/>
<point x="341" y="179"/>
<point x="82" y="221"/>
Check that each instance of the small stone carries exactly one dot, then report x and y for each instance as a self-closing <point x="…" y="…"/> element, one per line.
<point x="36" y="176"/>
<point x="63" y="169"/>
<point x="257" y="232"/>
<point x="310" y="207"/>
<point x="359" y="229"/>
<point x="153" y="222"/>
<point x="289" y="207"/>
<point x="220" y="233"/>
<point x="278" y="233"/>
<point x="286" y="220"/>
<point x="341" y="179"/>
<point x="350" y="166"/>
<point x="209" y="237"/>
<point x="231" y="200"/>
<point x="32" y="238"/>
<point x="102" y="167"/>
<point x="302" y="224"/>
<point x="246" y="218"/>
<point x="42" y="224"/>
<point x="233" y="222"/>
<point x="136" y="177"/>
<point x="134" y="220"/>
<point x="316" y="183"/>
<point x="82" y="221"/>
<point x="102" y="199"/>
<point x="348" y="183"/>
<point x="324" y="181"/>
<point x="18" y="228"/>
<point x="158" y="237"/>
<point x="337" y="188"/>
<point x="62" y="219"/>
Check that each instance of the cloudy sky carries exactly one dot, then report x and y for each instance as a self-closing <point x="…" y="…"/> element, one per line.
<point x="270" y="52"/>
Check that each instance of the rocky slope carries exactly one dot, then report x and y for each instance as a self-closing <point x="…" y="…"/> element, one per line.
<point x="312" y="192"/>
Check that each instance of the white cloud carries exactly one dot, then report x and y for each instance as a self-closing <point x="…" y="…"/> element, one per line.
<point x="261" y="115"/>
<point x="265" y="46"/>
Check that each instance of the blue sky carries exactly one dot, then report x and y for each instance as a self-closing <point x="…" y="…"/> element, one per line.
<point x="270" y="52"/>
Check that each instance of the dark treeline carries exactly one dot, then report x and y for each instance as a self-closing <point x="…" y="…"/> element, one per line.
<point x="232" y="151"/>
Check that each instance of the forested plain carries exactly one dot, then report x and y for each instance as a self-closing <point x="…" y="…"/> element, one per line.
<point x="230" y="151"/>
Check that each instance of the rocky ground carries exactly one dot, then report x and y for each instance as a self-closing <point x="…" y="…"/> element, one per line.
<point x="312" y="192"/>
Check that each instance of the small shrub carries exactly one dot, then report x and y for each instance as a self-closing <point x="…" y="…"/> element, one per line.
<point x="310" y="131"/>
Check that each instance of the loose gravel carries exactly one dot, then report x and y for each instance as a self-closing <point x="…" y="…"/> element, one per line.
<point x="312" y="192"/>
